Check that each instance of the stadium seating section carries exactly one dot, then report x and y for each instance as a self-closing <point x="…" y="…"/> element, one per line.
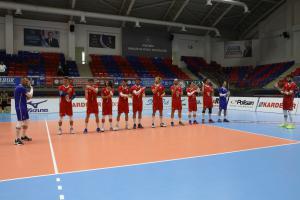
<point x="37" y="64"/>
<point x="134" y="66"/>
<point x="242" y="77"/>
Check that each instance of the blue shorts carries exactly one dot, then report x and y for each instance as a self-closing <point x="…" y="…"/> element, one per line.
<point x="22" y="114"/>
<point x="223" y="105"/>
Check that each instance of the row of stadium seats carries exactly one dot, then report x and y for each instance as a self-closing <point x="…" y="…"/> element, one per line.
<point x="295" y="73"/>
<point x="242" y="77"/>
<point x="37" y="64"/>
<point x="134" y="66"/>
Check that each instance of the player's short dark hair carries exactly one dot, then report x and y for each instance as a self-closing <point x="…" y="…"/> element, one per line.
<point x="205" y="79"/>
<point x="290" y="76"/>
<point x="91" y="80"/>
<point x="66" y="78"/>
<point x="138" y="79"/>
<point x="109" y="83"/>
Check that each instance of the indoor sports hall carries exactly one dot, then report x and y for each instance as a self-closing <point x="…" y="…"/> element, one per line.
<point x="149" y="99"/>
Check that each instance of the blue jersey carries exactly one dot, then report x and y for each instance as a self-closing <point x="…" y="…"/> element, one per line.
<point x="223" y="98"/>
<point x="21" y="102"/>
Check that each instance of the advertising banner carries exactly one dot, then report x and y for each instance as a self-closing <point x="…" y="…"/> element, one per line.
<point x="238" y="49"/>
<point x="41" y="38"/>
<point x="146" y="42"/>
<point x="242" y="103"/>
<point x="104" y="41"/>
<point x="273" y="105"/>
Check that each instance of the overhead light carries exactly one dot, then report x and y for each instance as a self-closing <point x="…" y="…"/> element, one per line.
<point x="209" y="3"/>
<point x="18" y="11"/>
<point x="82" y="19"/>
<point x="183" y="29"/>
<point x="137" y="24"/>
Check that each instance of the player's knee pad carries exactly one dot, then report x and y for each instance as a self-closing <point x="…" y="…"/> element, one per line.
<point x="209" y="110"/>
<point x="203" y="111"/>
<point x="103" y="120"/>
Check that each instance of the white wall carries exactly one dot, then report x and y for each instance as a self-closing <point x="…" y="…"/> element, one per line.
<point x="2" y="33"/>
<point x="190" y="45"/>
<point x="20" y="24"/>
<point x="82" y="39"/>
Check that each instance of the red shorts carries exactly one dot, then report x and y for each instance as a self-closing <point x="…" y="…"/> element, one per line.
<point x="137" y="107"/>
<point x="92" y="108"/>
<point x="123" y="108"/>
<point x="158" y="106"/>
<point x="107" y="109"/>
<point x="176" y="105"/>
<point x="192" y="106"/>
<point x="288" y="104"/>
<point x="65" y="109"/>
<point x="207" y="103"/>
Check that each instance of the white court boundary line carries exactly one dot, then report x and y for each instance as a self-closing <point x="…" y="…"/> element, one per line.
<point x="51" y="150"/>
<point x="249" y="132"/>
<point x="157" y="162"/>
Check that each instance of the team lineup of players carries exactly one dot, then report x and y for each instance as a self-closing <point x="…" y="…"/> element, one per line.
<point x="137" y="92"/>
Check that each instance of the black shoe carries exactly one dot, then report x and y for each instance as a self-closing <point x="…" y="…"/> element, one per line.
<point x="140" y="126"/>
<point x="190" y="122"/>
<point x="225" y="120"/>
<point x="172" y="123"/>
<point x="18" y="141"/>
<point x="211" y="121"/>
<point x="26" y="138"/>
<point x="219" y="120"/>
<point x="134" y="126"/>
<point x="98" y="130"/>
<point x="195" y="122"/>
<point x="181" y="123"/>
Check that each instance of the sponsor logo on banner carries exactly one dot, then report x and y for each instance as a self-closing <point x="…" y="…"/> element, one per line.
<point x="273" y="105"/>
<point x="242" y="103"/>
<point x="36" y="105"/>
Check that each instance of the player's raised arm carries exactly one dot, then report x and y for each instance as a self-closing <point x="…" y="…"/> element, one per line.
<point x="29" y="94"/>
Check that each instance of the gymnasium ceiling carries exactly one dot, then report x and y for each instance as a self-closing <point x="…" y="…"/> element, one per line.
<point x="230" y="20"/>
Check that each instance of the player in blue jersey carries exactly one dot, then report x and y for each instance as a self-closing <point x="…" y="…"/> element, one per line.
<point x="223" y="94"/>
<point x="21" y="95"/>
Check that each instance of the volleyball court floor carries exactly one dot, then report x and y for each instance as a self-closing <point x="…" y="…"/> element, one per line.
<point x="249" y="158"/>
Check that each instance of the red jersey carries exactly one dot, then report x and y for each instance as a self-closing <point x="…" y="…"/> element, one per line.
<point x="176" y="97"/>
<point x="123" y="106"/>
<point x="288" y="100"/>
<point x="137" y="99"/>
<point x="192" y="100"/>
<point x="91" y="97"/>
<point x="65" y="101"/>
<point x="157" y="98"/>
<point x="107" y="102"/>
<point x="207" y="96"/>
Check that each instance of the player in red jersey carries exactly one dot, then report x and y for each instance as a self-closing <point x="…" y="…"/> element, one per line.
<point x="123" y="106"/>
<point x="158" y="91"/>
<point x="107" y="93"/>
<point x="67" y="94"/>
<point x="138" y="92"/>
<point x="176" y="92"/>
<point x="192" y="91"/>
<point x="91" y="94"/>
<point x="288" y="90"/>
<point x="208" y="92"/>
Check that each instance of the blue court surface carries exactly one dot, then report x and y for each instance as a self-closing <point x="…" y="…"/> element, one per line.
<point x="256" y="174"/>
